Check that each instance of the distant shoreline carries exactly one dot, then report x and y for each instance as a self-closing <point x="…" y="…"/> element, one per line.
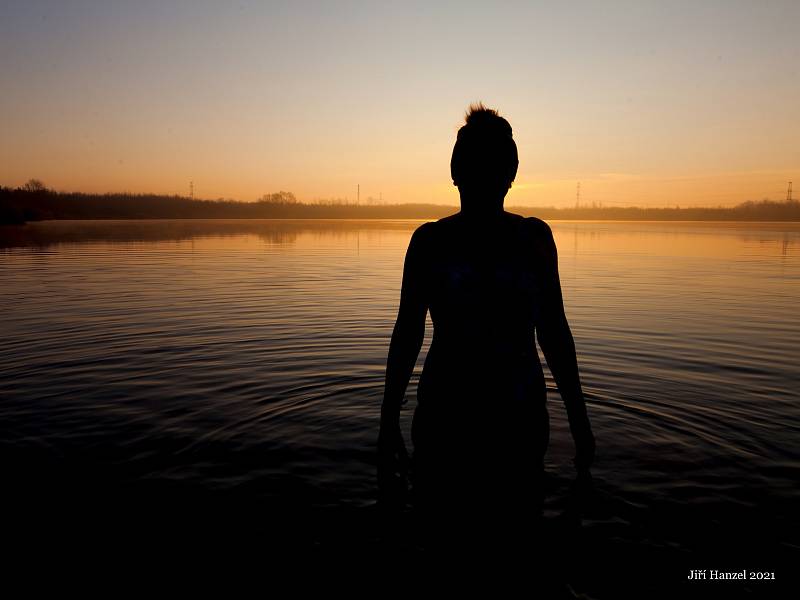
<point x="18" y="206"/>
<point x="371" y="220"/>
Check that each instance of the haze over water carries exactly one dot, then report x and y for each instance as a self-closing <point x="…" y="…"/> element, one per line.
<point x="249" y="357"/>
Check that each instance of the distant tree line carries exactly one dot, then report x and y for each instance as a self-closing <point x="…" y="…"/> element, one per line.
<point x="33" y="201"/>
<point x="279" y="198"/>
<point x="765" y="210"/>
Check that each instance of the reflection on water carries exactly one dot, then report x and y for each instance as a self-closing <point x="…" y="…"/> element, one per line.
<point x="231" y="231"/>
<point x="249" y="355"/>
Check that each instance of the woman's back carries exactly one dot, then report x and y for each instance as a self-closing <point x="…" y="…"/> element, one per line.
<point x="482" y="285"/>
<point x="480" y="426"/>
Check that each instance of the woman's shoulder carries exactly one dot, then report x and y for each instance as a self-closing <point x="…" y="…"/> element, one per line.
<point x="424" y="232"/>
<point x="432" y="230"/>
<point x="530" y="226"/>
<point x="423" y="237"/>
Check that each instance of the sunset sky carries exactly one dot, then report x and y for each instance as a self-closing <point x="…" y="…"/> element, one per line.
<point x="647" y="103"/>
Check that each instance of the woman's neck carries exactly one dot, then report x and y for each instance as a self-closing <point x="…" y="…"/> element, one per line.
<point x="483" y="204"/>
<point x="486" y="212"/>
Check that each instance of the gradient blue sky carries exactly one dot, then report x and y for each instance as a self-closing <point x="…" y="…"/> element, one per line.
<point x="648" y="103"/>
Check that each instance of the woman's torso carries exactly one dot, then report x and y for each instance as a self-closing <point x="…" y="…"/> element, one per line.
<point x="482" y="375"/>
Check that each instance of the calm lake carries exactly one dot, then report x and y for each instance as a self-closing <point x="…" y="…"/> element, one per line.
<point x="248" y="356"/>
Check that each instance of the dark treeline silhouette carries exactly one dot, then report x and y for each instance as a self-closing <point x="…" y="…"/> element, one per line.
<point x="765" y="210"/>
<point x="34" y="202"/>
<point x="21" y="205"/>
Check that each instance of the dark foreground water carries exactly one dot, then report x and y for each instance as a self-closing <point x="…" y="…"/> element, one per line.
<point x="225" y="377"/>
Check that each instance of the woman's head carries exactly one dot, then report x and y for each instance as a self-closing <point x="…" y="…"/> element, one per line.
<point x="484" y="161"/>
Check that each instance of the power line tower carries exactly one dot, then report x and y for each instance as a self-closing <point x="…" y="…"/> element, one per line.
<point x="578" y="196"/>
<point x="789" y="193"/>
<point x="191" y="190"/>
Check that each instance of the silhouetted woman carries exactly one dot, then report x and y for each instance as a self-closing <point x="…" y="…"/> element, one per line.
<point x="490" y="280"/>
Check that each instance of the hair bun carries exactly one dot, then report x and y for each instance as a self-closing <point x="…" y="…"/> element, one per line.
<point x="488" y="120"/>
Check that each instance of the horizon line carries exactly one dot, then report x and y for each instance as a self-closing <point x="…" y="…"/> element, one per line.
<point x="347" y="202"/>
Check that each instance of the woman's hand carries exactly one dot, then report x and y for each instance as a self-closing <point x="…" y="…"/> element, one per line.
<point x="584" y="448"/>
<point x="392" y="466"/>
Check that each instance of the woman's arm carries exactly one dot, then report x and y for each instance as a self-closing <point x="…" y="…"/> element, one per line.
<point x="407" y="337"/>
<point x="558" y="346"/>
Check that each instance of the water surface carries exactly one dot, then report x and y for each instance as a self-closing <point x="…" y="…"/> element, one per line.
<point x="249" y="356"/>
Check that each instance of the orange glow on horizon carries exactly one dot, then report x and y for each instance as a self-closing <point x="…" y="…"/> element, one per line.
<point x="133" y="98"/>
